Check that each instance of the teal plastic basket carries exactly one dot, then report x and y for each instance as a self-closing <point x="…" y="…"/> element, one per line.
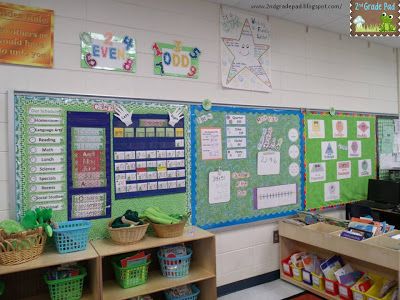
<point x="72" y="236"/>
<point x="193" y="296"/>
<point x="175" y="267"/>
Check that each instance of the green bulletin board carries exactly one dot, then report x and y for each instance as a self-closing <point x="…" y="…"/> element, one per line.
<point x="46" y="135"/>
<point x="340" y="157"/>
<point x="246" y="165"/>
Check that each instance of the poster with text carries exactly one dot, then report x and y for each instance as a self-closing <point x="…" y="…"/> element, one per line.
<point x="245" y="50"/>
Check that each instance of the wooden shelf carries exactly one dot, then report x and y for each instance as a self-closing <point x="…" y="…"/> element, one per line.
<point x="51" y="257"/>
<point x="85" y="296"/>
<point x="106" y="247"/>
<point x="155" y="283"/>
<point x="309" y="288"/>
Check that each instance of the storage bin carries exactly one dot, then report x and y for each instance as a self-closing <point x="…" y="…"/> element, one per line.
<point x="175" y="267"/>
<point x="72" y="236"/>
<point x="372" y="293"/>
<point x="286" y="267"/>
<point x="331" y="287"/>
<point x="307" y="277"/>
<point x="67" y="288"/>
<point x="318" y="281"/>
<point x="345" y="292"/>
<point x="130" y="276"/>
<point x="193" y="296"/>
<point x="169" y="230"/>
<point x="358" y="295"/>
<point x="297" y="273"/>
<point x="127" y="235"/>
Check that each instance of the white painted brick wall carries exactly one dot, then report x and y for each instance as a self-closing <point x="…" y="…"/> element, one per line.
<point x="315" y="70"/>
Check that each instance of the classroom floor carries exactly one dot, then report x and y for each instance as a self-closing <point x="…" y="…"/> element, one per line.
<point x="274" y="290"/>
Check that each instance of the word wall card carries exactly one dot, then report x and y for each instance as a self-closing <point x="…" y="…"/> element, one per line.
<point x="94" y="158"/>
<point x="340" y="158"/>
<point x="247" y="165"/>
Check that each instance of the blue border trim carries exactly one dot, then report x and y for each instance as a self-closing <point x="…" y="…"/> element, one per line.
<point x="193" y="110"/>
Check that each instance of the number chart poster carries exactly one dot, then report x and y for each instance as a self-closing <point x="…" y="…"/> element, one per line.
<point x="247" y="164"/>
<point x="245" y="50"/>
<point x="340" y="158"/>
<point x="94" y="158"/>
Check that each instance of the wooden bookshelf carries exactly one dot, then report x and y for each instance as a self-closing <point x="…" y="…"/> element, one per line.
<point x="202" y="270"/>
<point x="378" y="255"/>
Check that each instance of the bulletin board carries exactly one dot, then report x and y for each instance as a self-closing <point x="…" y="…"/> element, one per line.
<point x="340" y="157"/>
<point x="386" y="156"/>
<point x="247" y="165"/>
<point x="95" y="157"/>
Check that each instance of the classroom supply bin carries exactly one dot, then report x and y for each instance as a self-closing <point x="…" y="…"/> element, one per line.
<point x="21" y="247"/>
<point x="297" y="273"/>
<point x="359" y="295"/>
<point x="318" y="281"/>
<point x="169" y="230"/>
<point x="286" y="267"/>
<point x="331" y="287"/>
<point x="193" y="296"/>
<point x="127" y="235"/>
<point x="307" y="277"/>
<point x="72" y="236"/>
<point x="345" y="292"/>
<point x="373" y="292"/>
<point x="128" y="277"/>
<point x="175" y="267"/>
<point x="67" y="288"/>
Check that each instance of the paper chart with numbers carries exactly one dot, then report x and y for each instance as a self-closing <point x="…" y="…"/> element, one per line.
<point x="74" y="156"/>
<point x="261" y="152"/>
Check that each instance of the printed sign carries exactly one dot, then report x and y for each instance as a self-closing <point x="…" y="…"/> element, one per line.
<point x="236" y="142"/>
<point x="293" y="135"/>
<point x="211" y="143"/>
<point x="317" y="172"/>
<point x="236" y="131"/>
<point x="339" y="128"/>
<point x="274" y="196"/>
<point x="364" y="167"/>
<point x="26" y="35"/>
<point x="176" y="60"/>
<point x="354" y="149"/>
<point x="235" y="119"/>
<point x="329" y="150"/>
<point x="108" y="52"/>
<point x="332" y="191"/>
<point x="268" y="163"/>
<point x="343" y="169"/>
<point x="236" y="153"/>
<point x="363" y="129"/>
<point x="316" y="129"/>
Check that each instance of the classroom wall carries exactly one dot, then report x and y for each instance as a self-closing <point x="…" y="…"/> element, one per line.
<point x="317" y="69"/>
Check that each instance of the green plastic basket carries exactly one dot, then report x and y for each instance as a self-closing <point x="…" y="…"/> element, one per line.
<point x="130" y="276"/>
<point x="68" y="288"/>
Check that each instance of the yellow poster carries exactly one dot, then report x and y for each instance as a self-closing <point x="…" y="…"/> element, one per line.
<point x="26" y="35"/>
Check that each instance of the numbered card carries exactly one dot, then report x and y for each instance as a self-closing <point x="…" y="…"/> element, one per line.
<point x="268" y="163"/>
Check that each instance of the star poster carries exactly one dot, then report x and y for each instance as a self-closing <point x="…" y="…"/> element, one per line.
<point x="245" y="51"/>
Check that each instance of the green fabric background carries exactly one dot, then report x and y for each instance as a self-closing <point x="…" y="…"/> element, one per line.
<point x="352" y="189"/>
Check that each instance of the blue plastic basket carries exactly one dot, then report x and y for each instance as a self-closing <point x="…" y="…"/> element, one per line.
<point x="193" y="296"/>
<point x="176" y="267"/>
<point x="72" y="236"/>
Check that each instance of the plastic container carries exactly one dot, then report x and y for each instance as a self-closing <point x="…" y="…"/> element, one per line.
<point x="359" y="295"/>
<point x="193" y="296"/>
<point x="68" y="288"/>
<point x="130" y="276"/>
<point x="175" y="267"/>
<point x="297" y="273"/>
<point x="286" y="267"/>
<point x="72" y="236"/>
<point x="373" y="292"/>
<point x="318" y="281"/>
<point x="307" y="277"/>
<point x="331" y="287"/>
<point x="345" y="292"/>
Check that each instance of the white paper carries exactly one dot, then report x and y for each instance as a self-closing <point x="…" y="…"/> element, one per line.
<point x="329" y="150"/>
<point x="332" y="191"/>
<point x="294" y="169"/>
<point x="219" y="187"/>
<point x="236" y="142"/>
<point x="316" y="129"/>
<point x="339" y="128"/>
<point x="268" y="163"/>
<point x="343" y="169"/>
<point x="236" y="131"/>
<point x="293" y="135"/>
<point x="354" y="149"/>
<point x="363" y="129"/>
<point x="235" y="119"/>
<point x="162" y="153"/>
<point x="236" y="153"/>
<point x="364" y="168"/>
<point x="317" y="172"/>
<point x="211" y="143"/>
<point x="294" y="151"/>
<point x="274" y="196"/>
